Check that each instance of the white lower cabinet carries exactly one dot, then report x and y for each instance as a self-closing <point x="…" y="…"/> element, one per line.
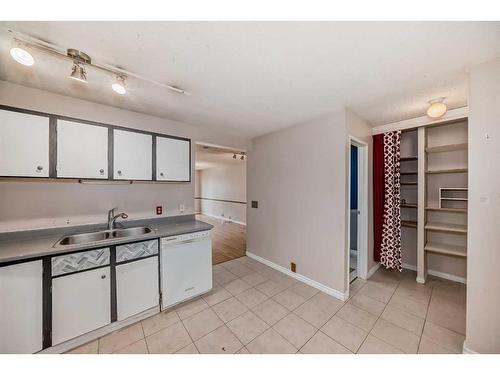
<point x="137" y="287"/>
<point x="21" y="308"/>
<point x="81" y="303"/>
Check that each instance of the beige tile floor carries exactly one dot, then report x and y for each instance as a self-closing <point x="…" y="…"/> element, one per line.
<point x="255" y="309"/>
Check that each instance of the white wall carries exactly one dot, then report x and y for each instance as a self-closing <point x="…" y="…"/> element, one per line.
<point x="34" y="204"/>
<point x="225" y="182"/>
<point x="483" y="258"/>
<point x="298" y="176"/>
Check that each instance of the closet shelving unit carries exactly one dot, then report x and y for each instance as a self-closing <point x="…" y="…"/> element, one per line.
<point x="442" y="165"/>
<point x="409" y="174"/>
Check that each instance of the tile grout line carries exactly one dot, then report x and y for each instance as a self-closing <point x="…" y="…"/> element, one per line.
<point x="379" y="317"/>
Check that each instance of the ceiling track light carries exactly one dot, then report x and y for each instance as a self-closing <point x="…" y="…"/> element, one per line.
<point x="436" y="108"/>
<point x="22" y="56"/>
<point x="79" y="60"/>
<point x="49" y="48"/>
<point x="234" y="156"/>
<point x="119" y="85"/>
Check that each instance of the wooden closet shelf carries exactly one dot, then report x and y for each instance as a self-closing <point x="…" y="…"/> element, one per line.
<point x="447" y="148"/>
<point x="453" y="170"/>
<point x="445" y="209"/>
<point x="409" y="205"/>
<point x="408" y="158"/>
<point x="408" y="223"/>
<point x="459" y="199"/>
<point x="408" y="173"/>
<point x="409" y="183"/>
<point x="448" y="228"/>
<point x="452" y="250"/>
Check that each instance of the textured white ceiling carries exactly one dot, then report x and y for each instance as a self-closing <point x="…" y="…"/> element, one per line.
<point x="256" y="77"/>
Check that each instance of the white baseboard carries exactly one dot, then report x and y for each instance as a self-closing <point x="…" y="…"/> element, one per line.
<point x="223" y="218"/>
<point x="466" y="350"/>
<point x="326" y="289"/>
<point x="372" y="270"/>
<point x="442" y="275"/>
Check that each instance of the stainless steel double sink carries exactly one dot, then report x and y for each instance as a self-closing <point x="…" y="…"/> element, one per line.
<point x="83" y="238"/>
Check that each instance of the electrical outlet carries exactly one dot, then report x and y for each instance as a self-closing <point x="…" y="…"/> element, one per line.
<point x="181" y="207"/>
<point x="159" y="210"/>
<point x="255" y="204"/>
<point x="293" y="267"/>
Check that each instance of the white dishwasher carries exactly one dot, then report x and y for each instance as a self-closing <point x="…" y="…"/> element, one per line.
<point x="186" y="267"/>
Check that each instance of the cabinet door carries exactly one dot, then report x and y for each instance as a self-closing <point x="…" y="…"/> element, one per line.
<point x="172" y="159"/>
<point x="82" y="150"/>
<point x="21" y="308"/>
<point x="81" y="303"/>
<point x="137" y="287"/>
<point x="132" y="155"/>
<point x="24" y="145"/>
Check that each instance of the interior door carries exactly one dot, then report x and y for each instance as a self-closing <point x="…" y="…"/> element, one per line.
<point x="82" y="150"/>
<point x="21" y="308"/>
<point x="172" y="159"/>
<point x="24" y="145"/>
<point x="132" y="155"/>
<point x="137" y="288"/>
<point x="81" y="303"/>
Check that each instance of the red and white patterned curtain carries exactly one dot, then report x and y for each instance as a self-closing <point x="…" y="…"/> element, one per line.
<point x="390" y="250"/>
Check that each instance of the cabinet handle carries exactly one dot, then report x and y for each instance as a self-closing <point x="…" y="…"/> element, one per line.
<point x="39" y="169"/>
<point x="119" y="173"/>
<point x="101" y="171"/>
<point x="103" y="276"/>
<point x="162" y="174"/>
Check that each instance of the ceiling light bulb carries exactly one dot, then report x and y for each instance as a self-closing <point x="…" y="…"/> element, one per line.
<point x="78" y="73"/>
<point x="119" y="85"/>
<point x="22" y="56"/>
<point x="436" y="108"/>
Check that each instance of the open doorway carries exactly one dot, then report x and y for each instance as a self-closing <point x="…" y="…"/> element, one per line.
<point x="353" y="215"/>
<point x="357" y="211"/>
<point x="220" y="198"/>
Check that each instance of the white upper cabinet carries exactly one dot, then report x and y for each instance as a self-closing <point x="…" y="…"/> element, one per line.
<point x="24" y="145"/>
<point x="172" y="159"/>
<point x="82" y="150"/>
<point x="132" y="156"/>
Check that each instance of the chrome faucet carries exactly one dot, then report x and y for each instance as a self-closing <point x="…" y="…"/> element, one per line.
<point x="112" y="218"/>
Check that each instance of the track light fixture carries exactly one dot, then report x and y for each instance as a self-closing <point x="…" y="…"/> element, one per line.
<point x="79" y="60"/>
<point x="22" y="56"/>
<point x="242" y="157"/>
<point x="234" y="156"/>
<point x="119" y="85"/>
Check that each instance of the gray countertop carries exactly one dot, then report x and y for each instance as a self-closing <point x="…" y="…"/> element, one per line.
<point x="38" y="243"/>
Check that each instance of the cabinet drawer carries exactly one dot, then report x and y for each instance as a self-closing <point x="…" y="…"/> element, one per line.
<point x="80" y="261"/>
<point x="136" y="250"/>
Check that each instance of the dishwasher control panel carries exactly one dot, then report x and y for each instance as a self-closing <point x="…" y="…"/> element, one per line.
<point x="184" y="237"/>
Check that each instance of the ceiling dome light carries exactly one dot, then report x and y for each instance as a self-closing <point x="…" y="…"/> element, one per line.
<point x="78" y="73"/>
<point x="436" y="108"/>
<point x="22" y="56"/>
<point x="119" y="85"/>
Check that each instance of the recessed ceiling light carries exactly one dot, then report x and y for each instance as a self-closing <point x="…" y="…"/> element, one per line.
<point x="78" y="73"/>
<point x="22" y="56"/>
<point x="119" y="85"/>
<point x="436" y="108"/>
